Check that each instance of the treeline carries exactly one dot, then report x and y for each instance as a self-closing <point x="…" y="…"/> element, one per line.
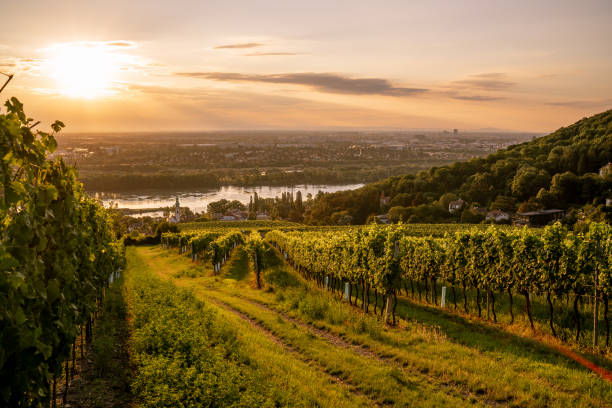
<point x="57" y="254"/>
<point x="208" y="179"/>
<point x="385" y="260"/>
<point x="561" y="170"/>
<point x="192" y="179"/>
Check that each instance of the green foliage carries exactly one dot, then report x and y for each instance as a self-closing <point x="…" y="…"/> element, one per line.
<point x="554" y="171"/>
<point x="223" y="205"/>
<point x="522" y="260"/>
<point x="185" y="355"/>
<point x="57" y="253"/>
<point x="164" y="227"/>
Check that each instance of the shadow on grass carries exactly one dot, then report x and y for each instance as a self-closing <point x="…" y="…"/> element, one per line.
<point x="238" y="268"/>
<point x="484" y="337"/>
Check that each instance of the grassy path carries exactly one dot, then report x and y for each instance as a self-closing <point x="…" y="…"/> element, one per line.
<point x="430" y="360"/>
<point x="286" y="347"/>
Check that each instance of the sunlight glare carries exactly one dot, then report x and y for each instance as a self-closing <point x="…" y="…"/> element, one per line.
<point x="83" y="70"/>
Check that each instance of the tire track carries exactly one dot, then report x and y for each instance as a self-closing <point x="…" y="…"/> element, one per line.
<point x="364" y="351"/>
<point x="290" y="349"/>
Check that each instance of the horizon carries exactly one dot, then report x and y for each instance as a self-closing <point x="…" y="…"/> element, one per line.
<point x="520" y="67"/>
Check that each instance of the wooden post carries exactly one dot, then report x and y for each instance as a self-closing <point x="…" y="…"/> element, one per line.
<point x="257" y="271"/>
<point x="387" y="307"/>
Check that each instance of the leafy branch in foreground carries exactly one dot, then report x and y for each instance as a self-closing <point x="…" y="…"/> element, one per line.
<point x="57" y="253"/>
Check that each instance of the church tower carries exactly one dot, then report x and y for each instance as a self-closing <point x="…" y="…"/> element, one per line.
<point x="177" y="215"/>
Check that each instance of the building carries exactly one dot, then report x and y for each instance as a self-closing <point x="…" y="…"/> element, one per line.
<point x="497" y="216"/>
<point x="608" y="202"/>
<point x="176" y="217"/>
<point x="262" y="216"/>
<point x="455" y="206"/>
<point x="538" y="218"/>
<point x="384" y="200"/>
<point x="605" y="170"/>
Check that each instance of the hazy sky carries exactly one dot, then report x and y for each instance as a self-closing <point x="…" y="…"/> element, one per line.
<point x="191" y="65"/>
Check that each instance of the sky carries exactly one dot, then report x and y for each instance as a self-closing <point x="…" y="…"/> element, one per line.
<point x="222" y="65"/>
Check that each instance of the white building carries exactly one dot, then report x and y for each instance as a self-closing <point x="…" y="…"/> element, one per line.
<point x="455" y="206"/>
<point x="497" y="216"/>
<point x="176" y="217"/>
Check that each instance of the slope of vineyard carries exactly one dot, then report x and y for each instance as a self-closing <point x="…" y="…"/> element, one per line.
<point x="552" y="263"/>
<point x="429" y="357"/>
<point x="417" y="230"/>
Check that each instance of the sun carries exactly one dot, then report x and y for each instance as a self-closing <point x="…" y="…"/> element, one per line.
<point x="82" y="70"/>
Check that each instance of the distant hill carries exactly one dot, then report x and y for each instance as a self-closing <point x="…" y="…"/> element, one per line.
<point x="560" y="170"/>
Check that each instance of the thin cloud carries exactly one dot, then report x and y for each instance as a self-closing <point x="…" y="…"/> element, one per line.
<point x="241" y="45"/>
<point x="325" y="82"/>
<point x="581" y="103"/>
<point x="268" y="54"/>
<point x="477" y="98"/>
<point x="492" y="81"/>
<point x="124" y="44"/>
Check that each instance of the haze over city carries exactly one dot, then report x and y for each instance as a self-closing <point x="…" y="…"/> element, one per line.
<point x="143" y="66"/>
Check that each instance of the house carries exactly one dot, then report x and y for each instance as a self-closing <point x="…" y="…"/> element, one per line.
<point x="608" y="202"/>
<point x="538" y="218"/>
<point x="455" y="206"/>
<point x="176" y="217"/>
<point x="605" y="170"/>
<point x="262" y="216"/>
<point x="228" y="218"/>
<point x="384" y="200"/>
<point x="497" y="216"/>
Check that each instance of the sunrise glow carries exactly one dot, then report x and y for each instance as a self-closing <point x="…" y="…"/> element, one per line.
<point x="82" y="70"/>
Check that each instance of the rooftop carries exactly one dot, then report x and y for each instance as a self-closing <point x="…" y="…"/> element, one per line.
<point x="541" y="212"/>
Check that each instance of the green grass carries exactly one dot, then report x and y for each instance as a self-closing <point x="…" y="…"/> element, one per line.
<point x="432" y="358"/>
<point x="288" y="382"/>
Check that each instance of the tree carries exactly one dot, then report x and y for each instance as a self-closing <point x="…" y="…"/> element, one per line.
<point x="566" y="188"/>
<point x="503" y="203"/>
<point x="298" y="204"/>
<point x="527" y="180"/>
<point x="446" y="199"/>
<point x="399" y="213"/>
<point x="165" y="226"/>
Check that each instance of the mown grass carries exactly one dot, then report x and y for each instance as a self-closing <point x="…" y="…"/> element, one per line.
<point x="444" y="355"/>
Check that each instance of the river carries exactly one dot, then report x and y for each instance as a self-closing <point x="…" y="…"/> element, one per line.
<point x="198" y="200"/>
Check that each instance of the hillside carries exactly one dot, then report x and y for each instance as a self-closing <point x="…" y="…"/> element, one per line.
<point x="560" y="170"/>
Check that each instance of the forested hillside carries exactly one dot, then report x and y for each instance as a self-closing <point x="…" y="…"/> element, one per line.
<point x="560" y="170"/>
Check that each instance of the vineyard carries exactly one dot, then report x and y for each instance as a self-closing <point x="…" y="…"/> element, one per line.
<point x="272" y="314"/>
<point x="552" y="263"/>
<point x="57" y="256"/>
<point x="560" y="267"/>
<point x="417" y="230"/>
<point x="302" y="335"/>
